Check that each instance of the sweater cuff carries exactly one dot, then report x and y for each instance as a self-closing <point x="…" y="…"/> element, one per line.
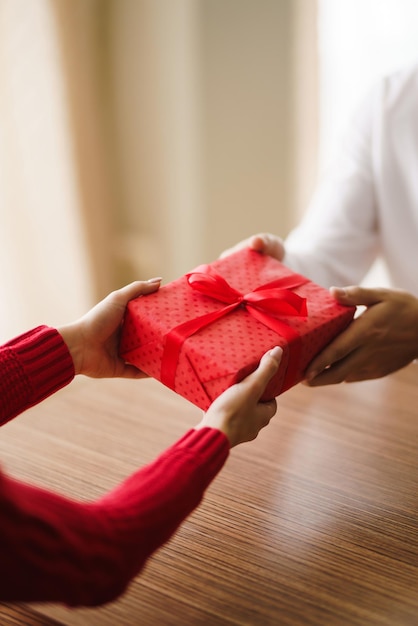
<point x="209" y="444"/>
<point x="36" y="364"/>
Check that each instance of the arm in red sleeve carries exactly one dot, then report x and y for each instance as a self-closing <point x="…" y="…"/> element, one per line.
<point x="58" y="550"/>
<point x="32" y="367"/>
<point x="84" y="554"/>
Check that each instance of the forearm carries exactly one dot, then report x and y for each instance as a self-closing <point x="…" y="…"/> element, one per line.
<point x="338" y="239"/>
<point x="55" y="549"/>
<point x="32" y="367"/>
<point x="336" y="243"/>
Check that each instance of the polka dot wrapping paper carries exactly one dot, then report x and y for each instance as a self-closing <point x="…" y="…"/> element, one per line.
<point x="208" y="329"/>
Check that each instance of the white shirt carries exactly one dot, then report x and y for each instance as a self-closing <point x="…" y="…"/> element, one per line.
<point x="368" y="205"/>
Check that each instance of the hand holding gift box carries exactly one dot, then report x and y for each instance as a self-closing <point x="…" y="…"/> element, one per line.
<point x="208" y="329"/>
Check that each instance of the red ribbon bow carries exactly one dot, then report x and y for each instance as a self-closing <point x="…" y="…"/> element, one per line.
<point x="265" y="303"/>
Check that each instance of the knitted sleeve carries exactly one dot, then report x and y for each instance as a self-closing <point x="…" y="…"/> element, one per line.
<point x="32" y="367"/>
<point x="84" y="554"/>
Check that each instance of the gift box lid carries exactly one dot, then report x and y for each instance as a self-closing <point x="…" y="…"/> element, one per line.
<point x="232" y="345"/>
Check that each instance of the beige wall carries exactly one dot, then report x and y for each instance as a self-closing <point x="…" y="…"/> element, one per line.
<point x="142" y="137"/>
<point x="214" y="132"/>
<point x="83" y="51"/>
<point x="246" y="67"/>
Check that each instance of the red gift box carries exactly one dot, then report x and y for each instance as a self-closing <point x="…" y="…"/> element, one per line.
<point x="208" y="329"/>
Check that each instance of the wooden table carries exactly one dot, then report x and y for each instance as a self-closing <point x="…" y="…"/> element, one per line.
<point x="315" y="523"/>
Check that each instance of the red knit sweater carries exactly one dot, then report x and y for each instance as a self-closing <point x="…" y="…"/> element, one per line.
<point x="55" y="549"/>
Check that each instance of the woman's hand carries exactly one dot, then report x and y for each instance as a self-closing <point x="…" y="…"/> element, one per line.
<point x="238" y="412"/>
<point x="93" y="340"/>
<point x="381" y="340"/>
<point x="266" y="243"/>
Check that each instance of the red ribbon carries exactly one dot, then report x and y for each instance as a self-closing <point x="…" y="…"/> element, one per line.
<point x="265" y="303"/>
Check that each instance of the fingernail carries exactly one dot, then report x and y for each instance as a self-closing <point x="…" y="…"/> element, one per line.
<point x="340" y="290"/>
<point x="311" y="375"/>
<point x="276" y="353"/>
<point x="157" y="279"/>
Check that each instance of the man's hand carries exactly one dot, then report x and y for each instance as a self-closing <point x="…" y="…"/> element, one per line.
<point x="383" y="339"/>
<point x="264" y="242"/>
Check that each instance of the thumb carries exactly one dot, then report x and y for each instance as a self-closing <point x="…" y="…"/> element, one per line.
<point x="268" y="244"/>
<point x="266" y="369"/>
<point x="137" y="288"/>
<point x="356" y="296"/>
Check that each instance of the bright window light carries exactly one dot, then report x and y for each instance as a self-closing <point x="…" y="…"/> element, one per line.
<point x="359" y="41"/>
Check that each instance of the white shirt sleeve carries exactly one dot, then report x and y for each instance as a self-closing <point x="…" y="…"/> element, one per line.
<point x="337" y="241"/>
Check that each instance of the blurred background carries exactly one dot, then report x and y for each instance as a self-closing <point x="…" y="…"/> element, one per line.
<point x="143" y="137"/>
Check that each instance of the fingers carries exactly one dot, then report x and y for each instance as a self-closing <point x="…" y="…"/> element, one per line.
<point x="238" y="412"/>
<point x="139" y="288"/>
<point x="335" y="351"/>
<point x="328" y="366"/>
<point x="258" y="380"/>
<point x="356" y="296"/>
<point x="381" y="340"/>
<point x="134" y="290"/>
<point x="338" y="360"/>
<point x="331" y="365"/>
<point x="266" y="243"/>
<point x="346" y="343"/>
<point x="332" y="375"/>
<point x="269" y="364"/>
<point x="245" y="243"/>
<point x="267" y="410"/>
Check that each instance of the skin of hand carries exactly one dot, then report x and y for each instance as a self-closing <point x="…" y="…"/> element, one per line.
<point x="93" y="340"/>
<point x="266" y="243"/>
<point x="238" y="412"/>
<point x="383" y="339"/>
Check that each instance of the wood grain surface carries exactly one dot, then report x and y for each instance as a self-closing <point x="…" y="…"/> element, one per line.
<point x="17" y="614"/>
<point x="315" y="523"/>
